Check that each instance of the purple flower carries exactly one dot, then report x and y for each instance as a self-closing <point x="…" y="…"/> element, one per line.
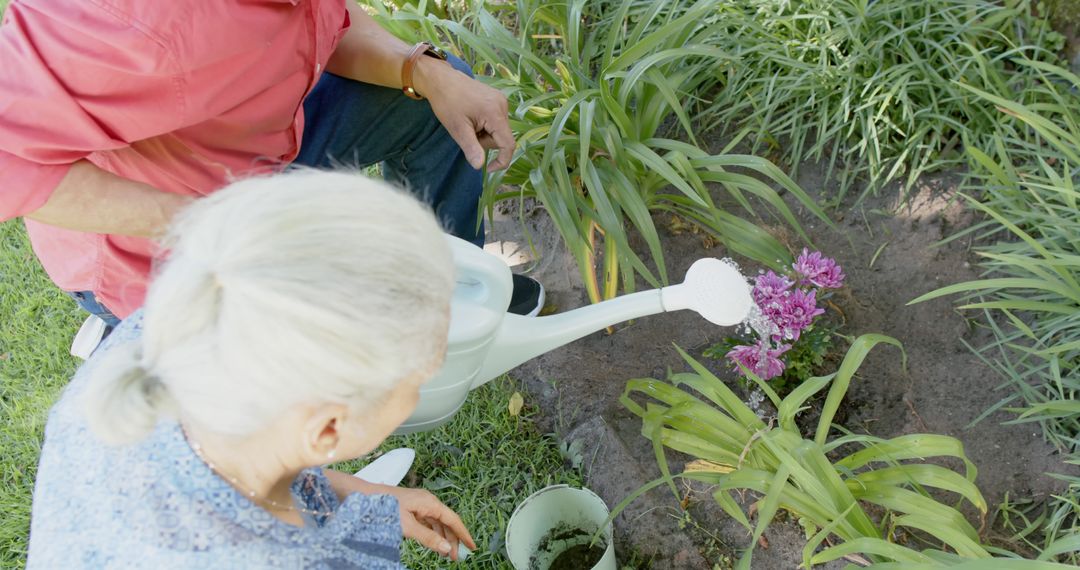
<point x="759" y="358"/>
<point x="818" y="270"/>
<point x="794" y="312"/>
<point x="770" y="287"/>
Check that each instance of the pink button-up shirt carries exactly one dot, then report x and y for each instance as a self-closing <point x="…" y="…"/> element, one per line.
<point x="183" y="95"/>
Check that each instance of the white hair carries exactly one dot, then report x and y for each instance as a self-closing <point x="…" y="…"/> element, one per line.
<point x="301" y="287"/>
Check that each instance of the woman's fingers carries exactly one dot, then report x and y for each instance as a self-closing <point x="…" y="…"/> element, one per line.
<point x="431" y="539"/>
<point x="430" y="518"/>
<point x="448" y="518"/>
<point x="449" y="536"/>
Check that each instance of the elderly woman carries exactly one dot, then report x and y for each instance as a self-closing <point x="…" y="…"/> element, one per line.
<point x="290" y="327"/>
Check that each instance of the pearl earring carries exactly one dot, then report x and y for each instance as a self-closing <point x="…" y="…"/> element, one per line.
<point x="330" y="455"/>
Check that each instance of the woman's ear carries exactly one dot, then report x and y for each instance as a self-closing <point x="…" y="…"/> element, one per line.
<point x="322" y="432"/>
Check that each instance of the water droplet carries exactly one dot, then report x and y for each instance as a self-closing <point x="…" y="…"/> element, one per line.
<point x="759" y="323"/>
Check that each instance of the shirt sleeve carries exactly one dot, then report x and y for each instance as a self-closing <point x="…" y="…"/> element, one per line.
<point x="76" y="78"/>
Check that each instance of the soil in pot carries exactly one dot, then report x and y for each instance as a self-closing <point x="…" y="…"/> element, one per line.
<point x="580" y="557"/>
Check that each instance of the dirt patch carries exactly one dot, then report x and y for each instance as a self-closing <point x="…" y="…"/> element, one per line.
<point x="888" y="253"/>
<point x="1065" y="17"/>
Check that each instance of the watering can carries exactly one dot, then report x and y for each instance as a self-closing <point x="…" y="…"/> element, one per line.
<point x="485" y="341"/>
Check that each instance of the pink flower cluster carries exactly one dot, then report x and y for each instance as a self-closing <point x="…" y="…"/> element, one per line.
<point x="789" y="303"/>
<point x="760" y="358"/>
<point x="818" y="270"/>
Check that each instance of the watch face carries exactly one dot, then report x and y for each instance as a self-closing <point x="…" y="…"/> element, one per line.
<point x="436" y="51"/>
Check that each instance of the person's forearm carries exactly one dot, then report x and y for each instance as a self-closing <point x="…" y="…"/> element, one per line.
<point x="370" y="54"/>
<point x="90" y="199"/>
<point x="344" y="484"/>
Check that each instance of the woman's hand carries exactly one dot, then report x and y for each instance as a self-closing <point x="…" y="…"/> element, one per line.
<point x="424" y="518"/>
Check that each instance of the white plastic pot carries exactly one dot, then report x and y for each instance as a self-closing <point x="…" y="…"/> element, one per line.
<point x="553" y="510"/>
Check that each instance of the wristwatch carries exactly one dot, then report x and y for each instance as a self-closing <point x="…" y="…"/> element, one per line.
<point x="420" y="49"/>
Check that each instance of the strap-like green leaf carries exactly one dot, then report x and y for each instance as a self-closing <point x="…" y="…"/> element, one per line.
<point x="852" y="361"/>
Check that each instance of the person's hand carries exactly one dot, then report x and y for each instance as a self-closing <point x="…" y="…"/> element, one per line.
<point x="425" y="519"/>
<point x="474" y="114"/>
<point x="423" y="516"/>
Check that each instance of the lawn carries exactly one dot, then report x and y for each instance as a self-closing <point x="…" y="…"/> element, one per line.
<point x="36" y="327"/>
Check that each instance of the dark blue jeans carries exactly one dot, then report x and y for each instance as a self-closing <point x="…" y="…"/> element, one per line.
<point x="89" y="303"/>
<point x="353" y="125"/>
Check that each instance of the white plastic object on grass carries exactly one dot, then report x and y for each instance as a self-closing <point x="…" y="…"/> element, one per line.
<point x="389" y="468"/>
<point x="89" y="337"/>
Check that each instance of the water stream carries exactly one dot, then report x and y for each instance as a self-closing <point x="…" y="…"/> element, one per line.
<point x="757" y="325"/>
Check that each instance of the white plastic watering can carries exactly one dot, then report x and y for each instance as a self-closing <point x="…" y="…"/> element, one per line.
<point x="485" y="341"/>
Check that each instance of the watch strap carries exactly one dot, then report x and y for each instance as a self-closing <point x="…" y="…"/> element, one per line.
<point x="418" y="50"/>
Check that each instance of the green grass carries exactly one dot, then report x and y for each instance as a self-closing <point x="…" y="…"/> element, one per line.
<point x="873" y="89"/>
<point x="482" y="464"/>
<point x="37" y="322"/>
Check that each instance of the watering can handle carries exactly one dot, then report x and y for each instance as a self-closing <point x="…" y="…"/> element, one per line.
<point x="486" y="278"/>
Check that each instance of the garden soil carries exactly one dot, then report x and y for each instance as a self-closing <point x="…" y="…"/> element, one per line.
<point x="888" y="252"/>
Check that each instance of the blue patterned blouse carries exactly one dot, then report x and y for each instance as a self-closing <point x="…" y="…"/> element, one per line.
<point x="156" y="505"/>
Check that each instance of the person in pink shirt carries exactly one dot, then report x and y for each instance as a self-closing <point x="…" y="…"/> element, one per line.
<point x="115" y="114"/>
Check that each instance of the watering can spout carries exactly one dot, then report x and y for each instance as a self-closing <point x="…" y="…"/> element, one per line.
<point x="485" y="342"/>
<point x="714" y="289"/>
<point x="521" y="339"/>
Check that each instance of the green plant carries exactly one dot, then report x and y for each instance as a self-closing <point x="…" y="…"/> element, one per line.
<point x="1033" y="521"/>
<point x="826" y="483"/>
<point x="597" y="90"/>
<point x="1028" y="188"/>
<point x="871" y="87"/>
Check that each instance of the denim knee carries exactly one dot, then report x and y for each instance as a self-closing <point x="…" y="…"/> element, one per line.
<point x="459" y="64"/>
